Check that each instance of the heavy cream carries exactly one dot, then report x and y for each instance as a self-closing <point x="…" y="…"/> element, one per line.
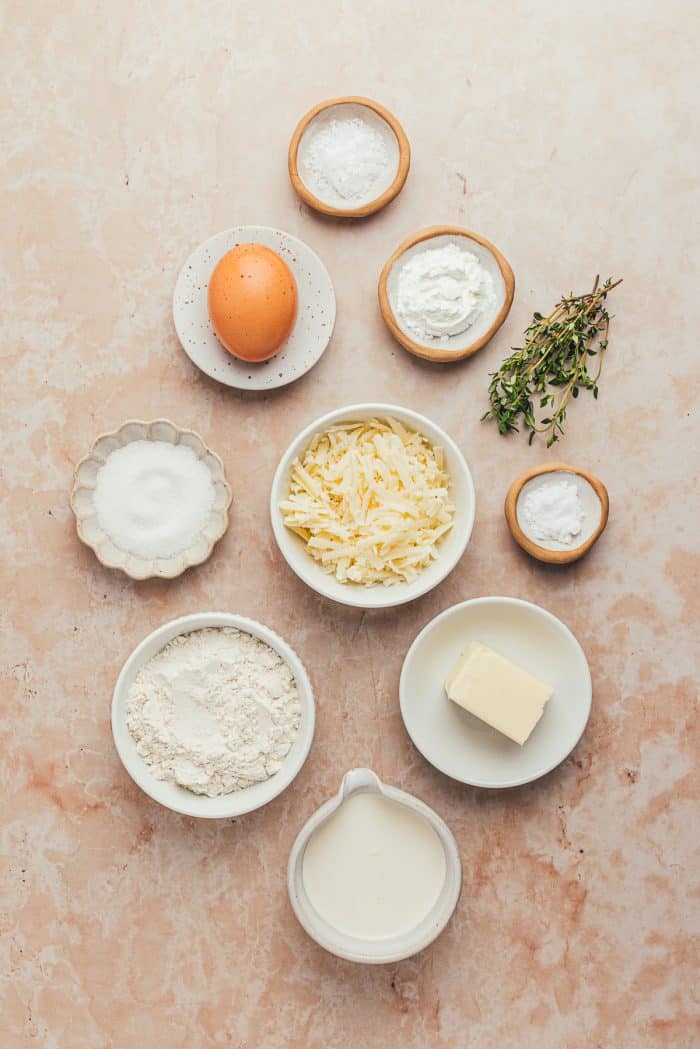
<point x="375" y="868"/>
<point x="442" y="291"/>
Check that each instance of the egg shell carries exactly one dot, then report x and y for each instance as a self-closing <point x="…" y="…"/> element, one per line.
<point x="252" y="302"/>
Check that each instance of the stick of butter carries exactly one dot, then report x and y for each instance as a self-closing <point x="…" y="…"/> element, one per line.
<point x="499" y="692"/>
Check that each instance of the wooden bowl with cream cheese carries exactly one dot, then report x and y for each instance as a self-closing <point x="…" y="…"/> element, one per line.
<point x="447" y="348"/>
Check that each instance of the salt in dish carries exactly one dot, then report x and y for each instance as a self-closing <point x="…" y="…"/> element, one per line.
<point x="150" y="499"/>
<point x="556" y="512"/>
<point x="348" y="157"/>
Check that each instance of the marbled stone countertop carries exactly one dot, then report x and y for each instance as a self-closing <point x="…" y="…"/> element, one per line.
<point x="563" y="133"/>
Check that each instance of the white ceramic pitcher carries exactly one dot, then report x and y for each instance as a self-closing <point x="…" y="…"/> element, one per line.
<point x="387" y="949"/>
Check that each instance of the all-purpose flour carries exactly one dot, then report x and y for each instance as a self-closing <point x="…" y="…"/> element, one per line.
<point x="215" y="711"/>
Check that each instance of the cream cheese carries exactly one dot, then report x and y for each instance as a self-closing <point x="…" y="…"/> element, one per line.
<point x="442" y="291"/>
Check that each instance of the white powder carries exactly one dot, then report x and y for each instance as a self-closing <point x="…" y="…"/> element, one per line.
<point x="553" y="511"/>
<point x="215" y="711"/>
<point x="442" y="291"/>
<point x="348" y="157"/>
<point x="153" y="499"/>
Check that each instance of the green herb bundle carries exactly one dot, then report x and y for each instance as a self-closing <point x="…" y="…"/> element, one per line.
<point x="552" y="366"/>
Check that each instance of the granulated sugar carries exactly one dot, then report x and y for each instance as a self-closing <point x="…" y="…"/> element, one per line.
<point x="153" y="499"/>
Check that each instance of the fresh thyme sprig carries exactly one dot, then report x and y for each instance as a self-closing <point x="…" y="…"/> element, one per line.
<point x="555" y="356"/>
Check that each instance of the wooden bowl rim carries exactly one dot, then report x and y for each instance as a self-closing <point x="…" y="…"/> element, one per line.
<point x="541" y="553"/>
<point x="373" y="205"/>
<point x="438" y="353"/>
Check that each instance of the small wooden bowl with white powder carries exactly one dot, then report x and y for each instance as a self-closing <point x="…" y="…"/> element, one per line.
<point x="445" y="292"/>
<point x="348" y="157"/>
<point x="150" y="499"/>
<point x="556" y="512"/>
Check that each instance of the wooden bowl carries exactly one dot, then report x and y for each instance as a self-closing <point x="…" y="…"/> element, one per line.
<point x="543" y="553"/>
<point x="355" y="104"/>
<point x="462" y="345"/>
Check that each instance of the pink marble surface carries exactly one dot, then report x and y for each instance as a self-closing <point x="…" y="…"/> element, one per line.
<point x="130" y="133"/>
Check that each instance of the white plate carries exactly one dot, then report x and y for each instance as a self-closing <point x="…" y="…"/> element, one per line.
<point x="171" y="795"/>
<point x="450" y="550"/>
<point x="461" y="745"/>
<point x="312" y="329"/>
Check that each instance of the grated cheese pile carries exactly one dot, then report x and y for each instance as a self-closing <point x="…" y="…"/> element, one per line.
<point x="371" y="501"/>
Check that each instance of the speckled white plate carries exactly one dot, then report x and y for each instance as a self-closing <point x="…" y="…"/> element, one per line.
<point x="83" y="503"/>
<point x="312" y="329"/>
<point x="451" y="548"/>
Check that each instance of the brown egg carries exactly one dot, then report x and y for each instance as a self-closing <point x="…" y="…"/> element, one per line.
<point x="252" y="302"/>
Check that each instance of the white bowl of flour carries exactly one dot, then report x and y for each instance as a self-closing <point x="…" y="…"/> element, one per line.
<point x="218" y="702"/>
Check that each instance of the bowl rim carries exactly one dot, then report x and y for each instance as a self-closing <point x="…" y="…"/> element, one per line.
<point x="495" y="599"/>
<point x="188" y="561"/>
<point x="358" y="781"/>
<point x="436" y="353"/>
<point x="371" y="206"/>
<point x="187" y="624"/>
<point x="543" y="553"/>
<point x="392" y="594"/>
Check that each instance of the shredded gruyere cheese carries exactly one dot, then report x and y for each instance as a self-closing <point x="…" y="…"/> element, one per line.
<point x="371" y="501"/>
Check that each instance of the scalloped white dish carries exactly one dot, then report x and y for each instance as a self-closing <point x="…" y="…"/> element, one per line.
<point x="91" y="533"/>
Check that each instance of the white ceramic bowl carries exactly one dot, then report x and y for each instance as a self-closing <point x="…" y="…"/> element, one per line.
<point x="450" y="550"/>
<point x="171" y="795"/>
<point x="461" y="745"/>
<point x="388" y="949"/>
<point x="312" y="329"/>
<point x="82" y="500"/>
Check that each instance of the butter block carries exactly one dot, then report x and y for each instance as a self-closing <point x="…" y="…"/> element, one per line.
<point x="499" y="692"/>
